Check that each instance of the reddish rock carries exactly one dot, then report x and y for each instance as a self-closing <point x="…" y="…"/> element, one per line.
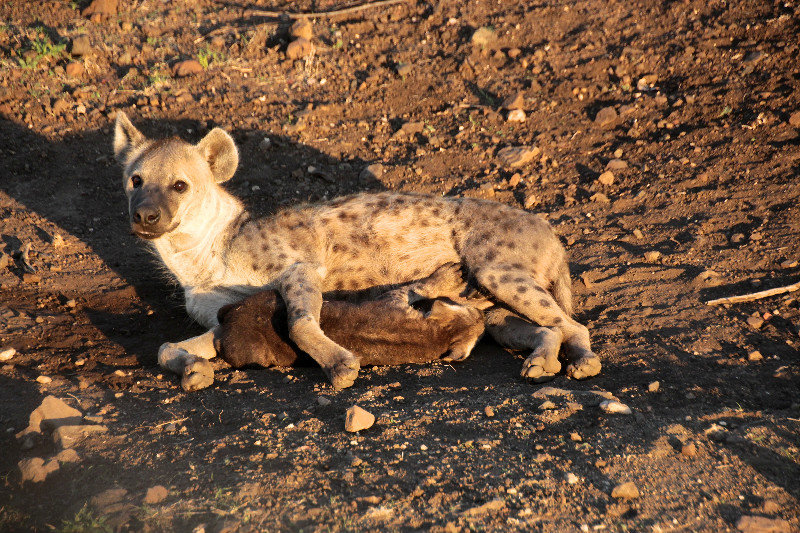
<point x="189" y="67"/>
<point x="101" y="8"/>
<point x="74" y="69"/>
<point x="357" y="419"/>
<point x="299" y="48"/>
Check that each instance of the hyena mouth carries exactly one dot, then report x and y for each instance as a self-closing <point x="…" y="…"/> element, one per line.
<point x="147" y="235"/>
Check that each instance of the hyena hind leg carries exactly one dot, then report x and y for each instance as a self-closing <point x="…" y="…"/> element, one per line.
<point x="190" y="359"/>
<point x="517" y="289"/>
<point x="515" y="333"/>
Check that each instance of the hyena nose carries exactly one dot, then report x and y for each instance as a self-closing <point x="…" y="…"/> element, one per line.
<point x="147" y="216"/>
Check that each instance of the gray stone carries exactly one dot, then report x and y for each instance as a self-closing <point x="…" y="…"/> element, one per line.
<point x="606" y="116"/>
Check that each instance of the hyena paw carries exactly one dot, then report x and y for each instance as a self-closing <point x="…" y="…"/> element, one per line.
<point x="197" y="375"/>
<point x="539" y="367"/>
<point x="586" y="365"/>
<point x="344" y="370"/>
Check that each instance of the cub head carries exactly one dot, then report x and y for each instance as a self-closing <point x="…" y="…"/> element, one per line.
<point x="167" y="181"/>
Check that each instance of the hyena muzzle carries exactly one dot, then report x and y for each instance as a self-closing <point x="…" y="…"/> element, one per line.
<point x="220" y="255"/>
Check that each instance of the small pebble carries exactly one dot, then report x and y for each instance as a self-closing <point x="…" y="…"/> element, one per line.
<point x="484" y="37"/>
<point x="323" y="401"/>
<point x="7" y="353"/>
<point x="616" y="164"/>
<point x="755" y="322"/>
<point x="517" y="115"/>
<point x="44" y="379"/>
<point x="155" y="494"/>
<point x="755" y="355"/>
<point x="606" y="178"/>
<point x="638" y="233"/>
<point x="489" y="411"/>
<point x="625" y="491"/>
<point x="531" y="200"/>
<point x="571" y="478"/>
<point x="302" y="28"/>
<point x="689" y="449"/>
<point x="404" y="69"/>
<point x="81" y="46"/>
<point x="652" y="256"/>
<point x="575" y="437"/>
<point x="547" y="404"/>
<point x="653" y="387"/>
<point x="189" y="67"/>
<point x="606" y="116"/>
<point x="74" y="69"/>
<point x="613" y="406"/>
<point x="299" y="48"/>
<point x="514" y="101"/>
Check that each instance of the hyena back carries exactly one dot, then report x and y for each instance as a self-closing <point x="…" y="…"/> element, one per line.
<point x="219" y="254"/>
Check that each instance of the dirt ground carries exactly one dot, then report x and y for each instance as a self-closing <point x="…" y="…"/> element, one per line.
<point x="705" y="97"/>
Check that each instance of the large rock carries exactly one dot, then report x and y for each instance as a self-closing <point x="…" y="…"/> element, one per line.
<point x="35" y="469"/>
<point x="357" y="419"/>
<point x="52" y="413"/>
<point x="760" y="524"/>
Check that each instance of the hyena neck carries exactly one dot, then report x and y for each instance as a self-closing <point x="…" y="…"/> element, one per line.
<point x="194" y="253"/>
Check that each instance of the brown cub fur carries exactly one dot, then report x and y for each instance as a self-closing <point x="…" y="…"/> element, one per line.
<point x="256" y="331"/>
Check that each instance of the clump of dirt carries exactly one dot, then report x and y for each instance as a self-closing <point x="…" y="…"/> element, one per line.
<point x="661" y="141"/>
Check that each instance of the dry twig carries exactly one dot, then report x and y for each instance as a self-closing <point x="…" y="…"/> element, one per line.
<point x="325" y="14"/>
<point x="755" y="295"/>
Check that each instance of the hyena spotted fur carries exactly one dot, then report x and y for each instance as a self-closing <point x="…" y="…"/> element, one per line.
<point x="220" y="254"/>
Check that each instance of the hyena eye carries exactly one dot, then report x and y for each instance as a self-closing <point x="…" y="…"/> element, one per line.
<point x="136" y="181"/>
<point x="179" y="185"/>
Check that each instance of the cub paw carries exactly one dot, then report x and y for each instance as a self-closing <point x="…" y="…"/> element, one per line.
<point x="344" y="371"/>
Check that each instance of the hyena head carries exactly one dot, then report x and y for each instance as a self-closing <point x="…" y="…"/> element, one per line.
<point x="168" y="181"/>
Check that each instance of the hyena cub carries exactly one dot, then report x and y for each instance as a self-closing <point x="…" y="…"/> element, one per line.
<point x="419" y="322"/>
<point x="220" y="254"/>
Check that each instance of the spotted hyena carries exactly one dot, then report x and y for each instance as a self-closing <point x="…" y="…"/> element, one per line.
<point x="220" y="254"/>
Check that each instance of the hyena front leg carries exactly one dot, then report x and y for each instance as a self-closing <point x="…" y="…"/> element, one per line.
<point x="190" y="359"/>
<point x="301" y="288"/>
<point x="520" y="291"/>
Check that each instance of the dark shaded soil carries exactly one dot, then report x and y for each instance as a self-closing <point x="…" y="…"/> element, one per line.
<point x="711" y="184"/>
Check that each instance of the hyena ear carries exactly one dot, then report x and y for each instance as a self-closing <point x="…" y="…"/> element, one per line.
<point x="126" y="138"/>
<point x="220" y="151"/>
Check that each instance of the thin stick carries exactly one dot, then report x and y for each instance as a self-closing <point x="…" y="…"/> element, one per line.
<point x="324" y="14"/>
<point x="755" y="295"/>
